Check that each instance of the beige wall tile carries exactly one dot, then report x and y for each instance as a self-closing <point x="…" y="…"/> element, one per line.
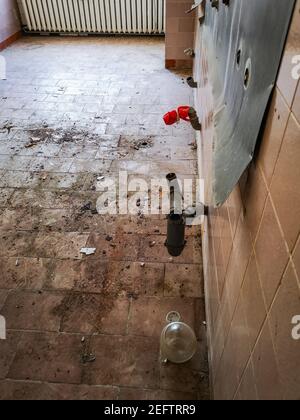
<point x="233" y="281"/>
<point x="265" y="368"/>
<point x="286" y="83"/>
<point x="173" y="52"/>
<point x="273" y="135"/>
<point x="186" y="24"/>
<point x="213" y="286"/>
<point x="220" y="335"/>
<point x="241" y="252"/>
<point x="254" y="199"/>
<point x="220" y="267"/>
<point x="218" y="342"/>
<point x="240" y="337"/>
<point x="247" y="389"/>
<point x="296" y="104"/>
<point x="180" y="40"/>
<point x="226" y="243"/>
<point x="178" y="8"/>
<point x="242" y="244"/>
<point x="214" y="224"/>
<point x="213" y="300"/>
<point x="172" y="25"/>
<point x="226" y="380"/>
<point x="234" y="204"/>
<point x="205" y="243"/>
<point x="296" y="258"/>
<point x="179" y="33"/>
<point x="234" y="358"/>
<point x="243" y="181"/>
<point x="225" y="313"/>
<point x="287" y="349"/>
<point x="285" y="183"/>
<point x="271" y="253"/>
<point x="253" y="302"/>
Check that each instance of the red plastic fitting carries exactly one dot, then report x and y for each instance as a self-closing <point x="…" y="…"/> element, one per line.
<point x="183" y="112"/>
<point x="174" y="116"/>
<point x="171" y="117"/>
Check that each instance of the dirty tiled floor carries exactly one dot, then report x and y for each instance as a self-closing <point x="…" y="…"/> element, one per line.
<point x="72" y="110"/>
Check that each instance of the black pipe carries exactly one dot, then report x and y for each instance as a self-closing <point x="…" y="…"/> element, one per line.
<point x="177" y="218"/>
<point x="176" y="221"/>
<point x="190" y="81"/>
<point x="175" y="242"/>
<point x="175" y="194"/>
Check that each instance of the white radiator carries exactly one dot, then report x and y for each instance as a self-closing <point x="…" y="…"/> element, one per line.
<point x="94" y="16"/>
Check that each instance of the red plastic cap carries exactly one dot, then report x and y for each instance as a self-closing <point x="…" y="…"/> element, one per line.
<point x="183" y="112"/>
<point x="171" y="117"/>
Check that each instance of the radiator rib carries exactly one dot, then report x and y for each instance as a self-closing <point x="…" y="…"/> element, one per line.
<point x="94" y="16"/>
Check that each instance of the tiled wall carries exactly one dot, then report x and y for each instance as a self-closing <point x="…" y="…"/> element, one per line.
<point x="251" y="250"/>
<point x="179" y="33"/>
<point x="9" y="21"/>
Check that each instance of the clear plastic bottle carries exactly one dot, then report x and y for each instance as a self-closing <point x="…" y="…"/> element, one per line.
<point x="178" y="343"/>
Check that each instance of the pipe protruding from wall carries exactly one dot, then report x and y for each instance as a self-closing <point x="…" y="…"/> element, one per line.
<point x="190" y="52"/>
<point x="176" y="221"/>
<point x="178" y="217"/>
<point x="215" y="4"/>
<point x="175" y="242"/>
<point x="194" y="119"/>
<point x="194" y="6"/>
<point x="190" y="81"/>
<point x="175" y="194"/>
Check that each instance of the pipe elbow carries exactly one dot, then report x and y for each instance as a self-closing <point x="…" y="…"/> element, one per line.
<point x="194" y="119"/>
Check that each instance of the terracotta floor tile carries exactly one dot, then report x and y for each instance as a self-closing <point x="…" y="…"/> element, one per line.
<point x="135" y="279"/>
<point x="16" y="244"/>
<point x="24" y="273"/>
<point x="32" y="311"/>
<point x="106" y="368"/>
<point x="135" y="394"/>
<point x="29" y="391"/>
<point x="40" y="198"/>
<point x="153" y="249"/>
<point x="3" y="296"/>
<point x="116" y="247"/>
<point x="64" y="274"/>
<point x="93" y="314"/>
<point x="92" y="276"/>
<point x="8" y="349"/>
<point x="5" y="196"/>
<point x="148" y="315"/>
<point x="59" y="245"/>
<point x="180" y="280"/>
<point x="48" y="357"/>
<point x="125" y="361"/>
<point x="176" y="378"/>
